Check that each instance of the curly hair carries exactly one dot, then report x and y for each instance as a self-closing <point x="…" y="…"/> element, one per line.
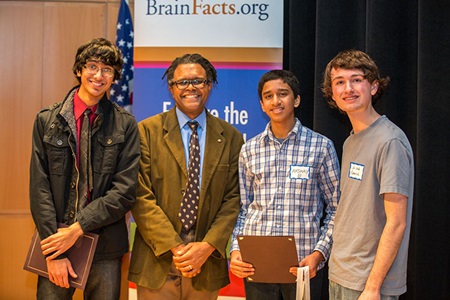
<point x="211" y="73"/>
<point x="349" y="60"/>
<point x="102" y="50"/>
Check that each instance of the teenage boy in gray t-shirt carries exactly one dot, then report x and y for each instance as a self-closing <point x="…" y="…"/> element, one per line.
<point x="370" y="242"/>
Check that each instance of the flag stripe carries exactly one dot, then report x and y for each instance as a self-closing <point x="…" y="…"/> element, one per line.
<point x="122" y="91"/>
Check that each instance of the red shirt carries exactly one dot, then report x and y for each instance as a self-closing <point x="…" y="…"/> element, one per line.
<point x="78" y="110"/>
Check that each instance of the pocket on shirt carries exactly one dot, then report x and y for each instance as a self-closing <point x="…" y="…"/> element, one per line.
<point x="58" y="153"/>
<point x="105" y="157"/>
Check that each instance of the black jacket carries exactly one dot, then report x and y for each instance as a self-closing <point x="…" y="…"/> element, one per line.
<point x="54" y="176"/>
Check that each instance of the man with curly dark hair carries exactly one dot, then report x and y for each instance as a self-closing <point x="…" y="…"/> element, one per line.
<point x="84" y="166"/>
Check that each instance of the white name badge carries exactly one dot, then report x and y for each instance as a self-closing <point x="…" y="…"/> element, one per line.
<point x="299" y="172"/>
<point x="356" y="171"/>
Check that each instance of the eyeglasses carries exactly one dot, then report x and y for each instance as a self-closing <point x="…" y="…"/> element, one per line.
<point x="197" y="83"/>
<point x="92" y="69"/>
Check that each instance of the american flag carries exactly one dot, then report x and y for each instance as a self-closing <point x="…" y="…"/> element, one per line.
<point x="122" y="91"/>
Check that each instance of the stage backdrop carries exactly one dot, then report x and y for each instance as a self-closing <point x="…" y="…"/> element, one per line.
<point x="243" y="39"/>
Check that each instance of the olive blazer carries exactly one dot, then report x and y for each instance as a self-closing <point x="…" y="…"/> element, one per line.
<point x="162" y="181"/>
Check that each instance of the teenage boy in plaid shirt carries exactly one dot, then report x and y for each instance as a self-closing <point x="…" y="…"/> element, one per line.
<point x="289" y="175"/>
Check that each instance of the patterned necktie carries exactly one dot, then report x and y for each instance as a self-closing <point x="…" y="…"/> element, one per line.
<point x="85" y="169"/>
<point x="189" y="203"/>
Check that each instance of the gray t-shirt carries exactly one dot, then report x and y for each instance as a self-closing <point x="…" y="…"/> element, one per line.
<point x="375" y="161"/>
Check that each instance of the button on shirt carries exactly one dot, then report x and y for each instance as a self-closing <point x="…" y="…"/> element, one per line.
<point x="285" y="187"/>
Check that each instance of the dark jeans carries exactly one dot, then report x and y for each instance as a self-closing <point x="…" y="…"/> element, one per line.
<point x="103" y="284"/>
<point x="284" y="291"/>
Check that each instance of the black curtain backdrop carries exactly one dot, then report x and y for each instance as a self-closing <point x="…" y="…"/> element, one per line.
<point x="410" y="42"/>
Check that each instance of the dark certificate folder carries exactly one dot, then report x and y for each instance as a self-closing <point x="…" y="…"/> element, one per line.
<point x="271" y="256"/>
<point x="80" y="256"/>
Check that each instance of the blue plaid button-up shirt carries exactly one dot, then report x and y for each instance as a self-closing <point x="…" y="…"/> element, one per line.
<point x="287" y="186"/>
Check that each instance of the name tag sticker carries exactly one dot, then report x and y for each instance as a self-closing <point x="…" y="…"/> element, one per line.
<point x="356" y="171"/>
<point x="299" y="172"/>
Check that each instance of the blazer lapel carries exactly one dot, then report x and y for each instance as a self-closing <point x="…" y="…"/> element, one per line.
<point x="173" y="139"/>
<point x="214" y="146"/>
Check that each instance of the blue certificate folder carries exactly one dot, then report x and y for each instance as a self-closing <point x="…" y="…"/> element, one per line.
<point x="271" y="256"/>
<point x="80" y="256"/>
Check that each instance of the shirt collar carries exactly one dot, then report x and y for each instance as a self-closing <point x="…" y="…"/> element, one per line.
<point x="79" y="106"/>
<point x="268" y="134"/>
<point x="183" y="119"/>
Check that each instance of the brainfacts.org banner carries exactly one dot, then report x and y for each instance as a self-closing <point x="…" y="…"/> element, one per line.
<point x="242" y="39"/>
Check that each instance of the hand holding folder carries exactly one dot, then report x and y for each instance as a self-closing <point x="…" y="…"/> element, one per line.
<point x="80" y="256"/>
<point x="271" y="256"/>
